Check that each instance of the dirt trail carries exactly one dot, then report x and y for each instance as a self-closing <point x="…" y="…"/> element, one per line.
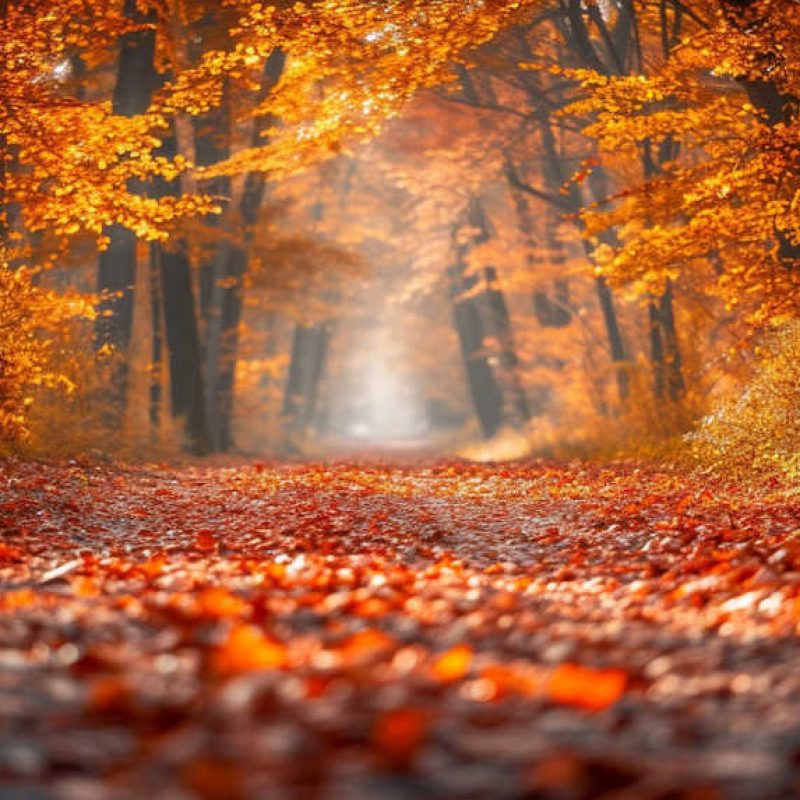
<point x="441" y="631"/>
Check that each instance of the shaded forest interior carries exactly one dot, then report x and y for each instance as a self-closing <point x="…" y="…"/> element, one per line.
<point x="324" y="227"/>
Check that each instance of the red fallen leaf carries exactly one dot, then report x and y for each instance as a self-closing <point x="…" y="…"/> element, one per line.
<point x="10" y="554"/>
<point x="109" y="695"/>
<point x="316" y="686"/>
<point x="247" y="649"/>
<point x="205" y="541"/>
<point x="683" y="504"/>
<point x="213" y="778"/>
<point x="585" y="687"/>
<point x="398" y="736"/>
<point x="454" y="664"/>
<point x="559" y="772"/>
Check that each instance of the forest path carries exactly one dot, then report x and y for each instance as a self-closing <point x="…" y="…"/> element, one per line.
<point x="368" y="631"/>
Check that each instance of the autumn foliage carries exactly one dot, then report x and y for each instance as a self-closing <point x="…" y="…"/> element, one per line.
<point x="593" y="204"/>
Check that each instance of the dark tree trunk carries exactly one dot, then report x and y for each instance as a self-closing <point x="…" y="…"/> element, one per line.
<point x="136" y="80"/>
<point x="615" y="341"/>
<point x="183" y="343"/>
<point x="225" y="301"/>
<point x="519" y="412"/>
<point x="676" y="386"/>
<point x="484" y="388"/>
<point x="309" y="354"/>
<point x="571" y="203"/>
<point x="665" y="354"/>
<point x="551" y="311"/>
<point x="187" y="389"/>
<point x="487" y="398"/>
<point x="618" y="44"/>
<point x="157" y="344"/>
<point x="494" y="320"/>
<point x="223" y="348"/>
<point x="657" y="358"/>
<point x="779" y="108"/>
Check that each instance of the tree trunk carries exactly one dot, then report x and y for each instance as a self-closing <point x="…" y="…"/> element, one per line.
<point x="676" y="386"/>
<point x="519" y="413"/>
<point x="223" y="344"/>
<point x="157" y="345"/>
<point x="225" y="301"/>
<point x="309" y="354"/>
<point x="187" y="389"/>
<point x="136" y="81"/>
<point x="615" y="341"/>
<point x="485" y="392"/>
<point x="664" y="350"/>
<point x="495" y="321"/>
<point x="183" y="343"/>
<point x="657" y="358"/>
<point x="779" y="109"/>
<point x="572" y="203"/>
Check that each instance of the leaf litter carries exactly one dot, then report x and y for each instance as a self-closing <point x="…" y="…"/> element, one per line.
<point x="355" y="631"/>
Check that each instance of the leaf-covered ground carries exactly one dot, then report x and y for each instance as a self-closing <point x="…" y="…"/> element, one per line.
<point x="357" y="632"/>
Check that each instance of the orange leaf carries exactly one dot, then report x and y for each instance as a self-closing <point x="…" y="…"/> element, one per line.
<point x="19" y="598"/>
<point x="454" y="664"/>
<point x="509" y="679"/>
<point x="584" y="687"/>
<point x="247" y="649"/>
<point x="365" y="644"/>
<point x="219" y="603"/>
<point x="153" y="567"/>
<point x="85" y="587"/>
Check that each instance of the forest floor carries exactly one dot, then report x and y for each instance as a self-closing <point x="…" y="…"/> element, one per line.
<point x="368" y="632"/>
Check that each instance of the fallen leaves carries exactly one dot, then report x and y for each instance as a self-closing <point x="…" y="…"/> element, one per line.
<point x="244" y="632"/>
<point x="592" y="689"/>
<point x="453" y="665"/>
<point x="247" y="649"/>
<point x="398" y="736"/>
